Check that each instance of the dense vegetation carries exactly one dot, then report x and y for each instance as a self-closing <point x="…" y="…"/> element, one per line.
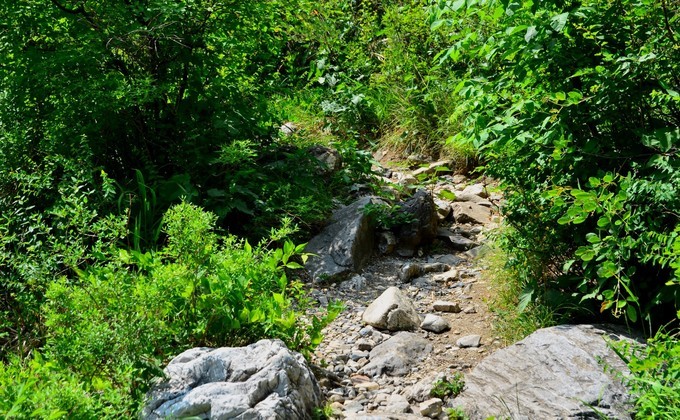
<point x="134" y="134"/>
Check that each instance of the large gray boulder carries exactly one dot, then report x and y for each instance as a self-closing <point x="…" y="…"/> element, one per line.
<point x="553" y="373"/>
<point x="396" y="356"/>
<point x="345" y="245"/>
<point x="423" y="211"/>
<point x="393" y="311"/>
<point x="264" y="380"/>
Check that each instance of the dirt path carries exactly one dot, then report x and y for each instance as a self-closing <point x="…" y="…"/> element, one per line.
<point x="347" y="343"/>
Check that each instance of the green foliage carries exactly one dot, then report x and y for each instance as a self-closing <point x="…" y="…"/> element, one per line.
<point x="448" y="388"/>
<point x="574" y="106"/>
<point x="387" y="216"/>
<point x="654" y="375"/>
<point x="37" y="388"/>
<point x="54" y="217"/>
<point x="126" y="317"/>
<point x="456" y="413"/>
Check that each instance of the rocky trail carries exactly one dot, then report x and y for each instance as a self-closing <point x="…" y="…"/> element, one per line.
<point x="447" y="331"/>
<point x="415" y="339"/>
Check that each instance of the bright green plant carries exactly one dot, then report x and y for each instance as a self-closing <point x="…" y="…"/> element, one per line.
<point x="448" y="388"/>
<point x="39" y="389"/>
<point x="654" y="375"/>
<point x="456" y="413"/>
<point x="123" y="319"/>
<point x="387" y="216"/>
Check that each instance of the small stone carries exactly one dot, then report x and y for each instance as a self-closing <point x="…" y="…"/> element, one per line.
<point x="364" y="345"/>
<point x="357" y="379"/>
<point x="359" y="355"/>
<point x="336" y="407"/>
<point x="470" y="310"/>
<point x="336" y="398"/>
<point x="380" y="399"/>
<point x="445" y="306"/>
<point x="409" y="271"/>
<point x="434" y="323"/>
<point x="469" y="341"/>
<point x="398" y="404"/>
<point x="352" y="407"/>
<point x="392" y="310"/>
<point x="450" y="275"/>
<point x="367" y="331"/>
<point x="368" y="386"/>
<point x="431" y="408"/>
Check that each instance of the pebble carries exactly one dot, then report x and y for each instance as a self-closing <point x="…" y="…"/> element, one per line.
<point x="470" y="310"/>
<point x="469" y="341"/>
<point x="446" y="306"/>
<point x="431" y="408"/>
<point x="434" y="323"/>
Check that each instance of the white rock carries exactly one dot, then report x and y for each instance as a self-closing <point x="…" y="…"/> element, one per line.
<point x="392" y="311"/>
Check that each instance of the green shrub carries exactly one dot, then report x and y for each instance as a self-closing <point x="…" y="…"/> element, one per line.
<point x="124" y="318"/>
<point x="654" y="375"/>
<point x="54" y="215"/>
<point x="39" y="389"/>
<point x="387" y="216"/>
<point x="450" y="388"/>
<point x="574" y="106"/>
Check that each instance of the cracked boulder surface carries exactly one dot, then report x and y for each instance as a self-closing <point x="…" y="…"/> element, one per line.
<point x="264" y="380"/>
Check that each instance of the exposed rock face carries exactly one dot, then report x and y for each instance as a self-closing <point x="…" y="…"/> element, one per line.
<point x="345" y="245"/>
<point x="264" y="380"/>
<point x="424" y="228"/>
<point x="553" y="373"/>
<point x="396" y="356"/>
<point x="392" y="311"/>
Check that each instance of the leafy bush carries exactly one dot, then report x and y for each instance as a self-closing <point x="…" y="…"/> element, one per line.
<point x="448" y="387"/>
<point x="37" y="388"/>
<point x="122" y="319"/>
<point x="575" y="108"/>
<point x="654" y="375"/>
<point x="55" y="216"/>
<point x="388" y="216"/>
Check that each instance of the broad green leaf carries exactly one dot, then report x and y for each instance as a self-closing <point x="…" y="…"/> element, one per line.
<point x="446" y="194"/>
<point x="558" y="22"/>
<point x="588" y="255"/>
<point x="525" y="298"/>
<point x="632" y="313"/>
<point x="564" y="219"/>
<point x="530" y="34"/>
<point x="607" y="270"/>
<point x="456" y="5"/>
<point x="662" y="139"/>
<point x="592" y="238"/>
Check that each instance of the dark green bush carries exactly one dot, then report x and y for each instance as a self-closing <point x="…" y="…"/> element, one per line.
<point x="575" y="108"/>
